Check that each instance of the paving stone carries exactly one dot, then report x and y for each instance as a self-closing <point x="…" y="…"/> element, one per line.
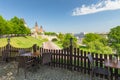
<point x="7" y="72"/>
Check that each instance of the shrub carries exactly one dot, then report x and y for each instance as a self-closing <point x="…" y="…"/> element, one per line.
<point x="54" y="40"/>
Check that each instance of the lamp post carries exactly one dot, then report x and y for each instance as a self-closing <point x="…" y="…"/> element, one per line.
<point x="71" y="41"/>
<point x="8" y="40"/>
<point x="34" y="47"/>
<point x="71" y="51"/>
<point x="8" y="49"/>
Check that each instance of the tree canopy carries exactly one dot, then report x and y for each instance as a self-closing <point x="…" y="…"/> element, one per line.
<point x="114" y="38"/>
<point x="50" y="33"/>
<point x="60" y="36"/>
<point x="66" y="40"/>
<point x="13" y="26"/>
<point x="91" y="37"/>
<point x="96" y="43"/>
<point x="4" y="27"/>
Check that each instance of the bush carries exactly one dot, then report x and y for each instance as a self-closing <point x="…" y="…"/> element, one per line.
<point x="54" y="40"/>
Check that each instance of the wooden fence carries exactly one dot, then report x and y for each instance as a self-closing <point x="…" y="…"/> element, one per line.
<point x="78" y="60"/>
<point x="11" y="52"/>
<point x="70" y="58"/>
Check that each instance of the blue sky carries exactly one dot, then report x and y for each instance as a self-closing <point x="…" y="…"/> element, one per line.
<point x="65" y="15"/>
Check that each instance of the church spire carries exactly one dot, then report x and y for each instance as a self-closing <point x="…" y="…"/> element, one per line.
<point x="36" y="24"/>
<point x="36" y="27"/>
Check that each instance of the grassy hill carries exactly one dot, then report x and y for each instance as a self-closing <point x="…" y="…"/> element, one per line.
<point x="22" y="42"/>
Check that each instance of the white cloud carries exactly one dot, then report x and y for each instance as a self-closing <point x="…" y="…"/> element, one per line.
<point x="101" y="6"/>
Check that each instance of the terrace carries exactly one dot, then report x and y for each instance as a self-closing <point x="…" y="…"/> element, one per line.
<point x="64" y="65"/>
<point x="8" y="71"/>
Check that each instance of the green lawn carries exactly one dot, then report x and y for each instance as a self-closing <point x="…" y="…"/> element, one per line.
<point x="58" y="44"/>
<point x="22" y="42"/>
<point x="3" y="42"/>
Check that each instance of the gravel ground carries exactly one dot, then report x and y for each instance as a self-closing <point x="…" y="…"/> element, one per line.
<point x="8" y="72"/>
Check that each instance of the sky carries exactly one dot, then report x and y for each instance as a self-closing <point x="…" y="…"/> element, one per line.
<point x="67" y="16"/>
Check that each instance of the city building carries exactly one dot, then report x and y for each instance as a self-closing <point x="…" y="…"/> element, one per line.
<point x="80" y="37"/>
<point x="37" y="29"/>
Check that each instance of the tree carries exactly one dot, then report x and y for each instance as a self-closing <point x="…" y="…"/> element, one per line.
<point x="50" y="33"/>
<point x="18" y="26"/>
<point x="96" y="43"/>
<point x="13" y="26"/>
<point x="114" y="38"/>
<point x="4" y="26"/>
<point x="99" y="47"/>
<point x="66" y="41"/>
<point x="60" y="36"/>
<point x="91" y="37"/>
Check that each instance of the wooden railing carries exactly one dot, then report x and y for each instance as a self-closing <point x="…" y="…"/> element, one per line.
<point x="11" y="52"/>
<point x="78" y="61"/>
<point x="75" y="61"/>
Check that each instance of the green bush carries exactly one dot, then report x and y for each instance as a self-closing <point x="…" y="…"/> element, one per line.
<point x="54" y="40"/>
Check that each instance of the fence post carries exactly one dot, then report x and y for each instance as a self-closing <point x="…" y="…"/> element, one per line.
<point x="7" y="52"/>
<point x="71" y="52"/>
<point x="34" y="47"/>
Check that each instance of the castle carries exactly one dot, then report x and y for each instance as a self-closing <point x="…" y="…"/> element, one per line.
<point x="36" y="29"/>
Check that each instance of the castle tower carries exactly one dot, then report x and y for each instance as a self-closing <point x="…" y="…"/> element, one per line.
<point x="41" y="29"/>
<point x="36" y="27"/>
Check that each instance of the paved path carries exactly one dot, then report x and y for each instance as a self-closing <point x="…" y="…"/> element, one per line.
<point x="50" y="45"/>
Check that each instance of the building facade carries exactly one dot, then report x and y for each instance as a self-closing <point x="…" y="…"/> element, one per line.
<point x="37" y="29"/>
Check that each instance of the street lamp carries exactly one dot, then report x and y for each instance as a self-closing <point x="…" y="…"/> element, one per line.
<point x="71" y="40"/>
<point x="71" y="52"/>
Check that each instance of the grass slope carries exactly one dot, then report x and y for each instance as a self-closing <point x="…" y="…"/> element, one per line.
<point x="22" y="42"/>
<point x="58" y="43"/>
<point x="3" y="42"/>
